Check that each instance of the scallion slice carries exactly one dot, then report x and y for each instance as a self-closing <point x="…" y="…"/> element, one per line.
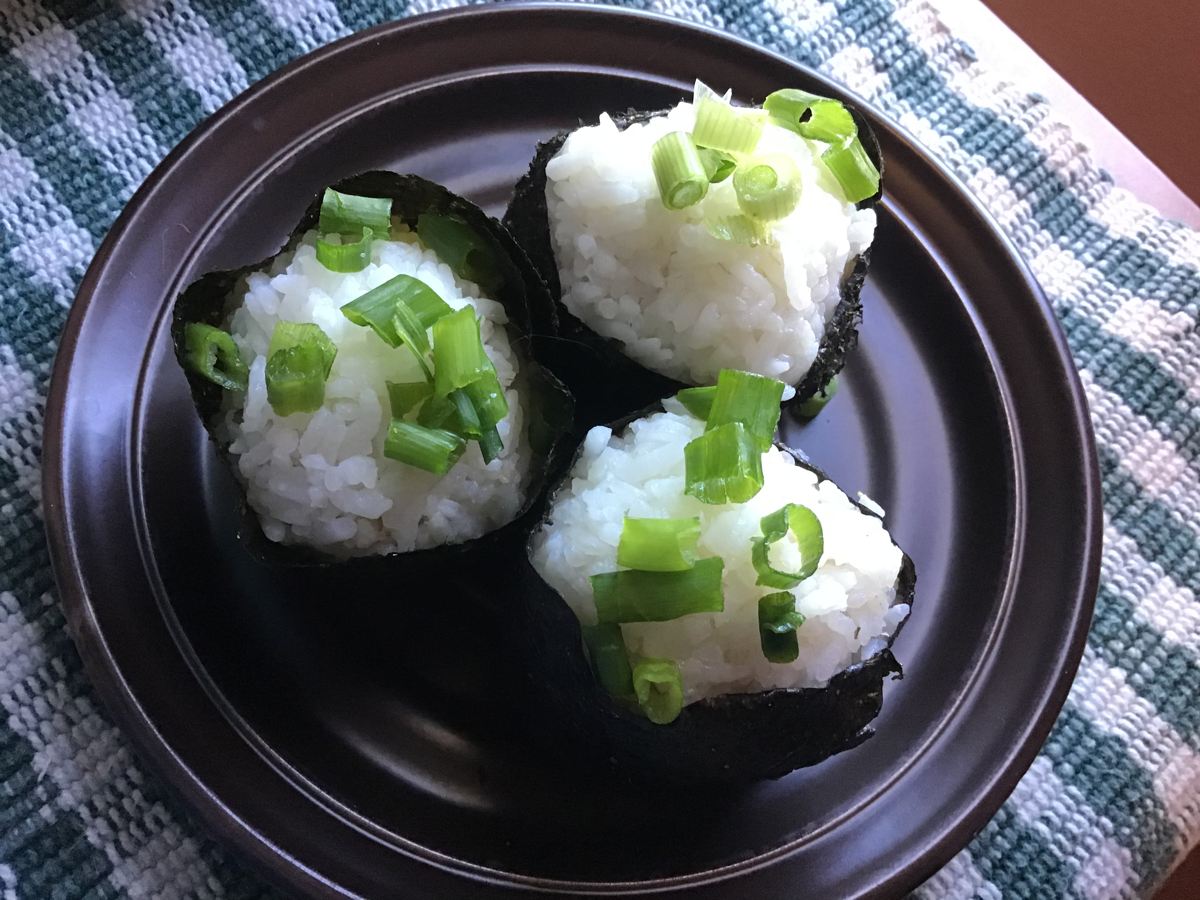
<point x="721" y="126"/>
<point x="346" y="257"/>
<point x="468" y="420"/>
<point x="212" y="354"/>
<point x="814" y="404"/>
<point x="439" y="412"/>
<point x="852" y="168"/>
<point x="296" y="379"/>
<point x="460" y="247"/>
<point x="376" y="308"/>
<point x="490" y="444"/>
<point x="805" y="527"/>
<point x="698" y="400"/>
<point x="349" y="214"/>
<point x="407" y="396"/>
<point x="750" y="399"/>
<point x="679" y="171"/>
<point x="788" y="107"/>
<point x="659" y="545"/>
<point x="723" y="465"/>
<point x="431" y="449"/>
<point x="828" y="121"/>
<point x="487" y="396"/>
<point x="767" y="188"/>
<point x="659" y="690"/>
<point x="412" y="334"/>
<point x="740" y="229"/>
<point x="777" y="624"/>
<point x="301" y="334"/>
<point x="610" y="661"/>
<point x="634" y="596"/>
<point x="718" y="165"/>
<point x="458" y="355"/>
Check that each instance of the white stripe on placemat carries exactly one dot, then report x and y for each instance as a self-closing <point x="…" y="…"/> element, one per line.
<point x="1158" y="600"/>
<point x="1060" y="814"/>
<point x="197" y="54"/>
<point x="47" y="243"/>
<point x="90" y="763"/>
<point x="21" y="408"/>
<point x="1102" y="693"/>
<point x="311" y="22"/>
<point x="73" y="77"/>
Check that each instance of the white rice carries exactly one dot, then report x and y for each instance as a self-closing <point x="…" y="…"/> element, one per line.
<point x="684" y="303"/>
<point x="846" y="602"/>
<point x="321" y="478"/>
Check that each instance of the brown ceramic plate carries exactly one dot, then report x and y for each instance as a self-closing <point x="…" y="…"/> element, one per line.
<point x="349" y="738"/>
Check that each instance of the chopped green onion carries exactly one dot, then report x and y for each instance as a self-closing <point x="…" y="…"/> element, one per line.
<point x="829" y="121"/>
<point x="767" y="188"/>
<point x="490" y="444"/>
<point x="468" y="420"/>
<point x="460" y="247"/>
<point x="296" y="379"/>
<point x="431" y="449"/>
<point x="405" y="397"/>
<point x="411" y="331"/>
<point x="777" y="624"/>
<point x="659" y="545"/>
<point x="804" y="525"/>
<point x="439" y="412"/>
<point x="750" y="399"/>
<point x="721" y="126"/>
<point x="659" y="690"/>
<point x="349" y="214"/>
<point x="723" y="465"/>
<point x="351" y="257"/>
<point x="634" y="596"/>
<point x="718" y="165"/>
<point x="789" y="106"/>
<point x="698" y="400"/>
<point x="212" y="354"/>
<point x="300" y="334"/>
<point x="487" y="396"/>
<point x="679" y="171"/>
<point x="740" y="229"/>
<point x="376" y="308"/>
<point x="610" y="662"/>
<point x="458" y="355"/>
<point x="853" y="169"/>
<point x="814" y="404"/>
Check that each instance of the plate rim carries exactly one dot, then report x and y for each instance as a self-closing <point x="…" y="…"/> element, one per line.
<point x="106" y="676"/>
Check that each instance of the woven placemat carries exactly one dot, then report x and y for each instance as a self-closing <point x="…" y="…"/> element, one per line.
<point x="92" y="96"/>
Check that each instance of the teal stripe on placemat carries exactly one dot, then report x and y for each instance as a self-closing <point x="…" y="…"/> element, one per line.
<point x="1012" y="854"/>
<point x="1147" y="386"/>
<point x="258" y="44"/>
<point x="44" y="846"/>
<point x="137" y="68"/>
<point x="38" y="125"/>
<point x="1165" y="676"/>
<point x="1160" y="533"/>
<point x="1105" y="770"/>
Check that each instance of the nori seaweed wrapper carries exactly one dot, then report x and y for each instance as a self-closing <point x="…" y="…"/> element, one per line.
<point x="605" y="381"/>
<point x="513" y="283"/>
<point x="730" y="738"/>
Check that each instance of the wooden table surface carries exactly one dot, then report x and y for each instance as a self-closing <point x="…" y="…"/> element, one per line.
<point x="1126" y="77"/>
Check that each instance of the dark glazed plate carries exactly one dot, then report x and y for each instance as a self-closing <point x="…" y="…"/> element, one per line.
<point x="350" y="738"/>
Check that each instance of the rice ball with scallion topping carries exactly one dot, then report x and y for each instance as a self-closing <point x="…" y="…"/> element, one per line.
<point x="847" y="603"/>
<point x="683" y="302"/>
<point x="321" y="479"/>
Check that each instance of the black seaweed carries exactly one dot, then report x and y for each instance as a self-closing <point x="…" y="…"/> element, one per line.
<point x="605" y="381"/>
<point x="211" y="299"/>
<point x="730" y="738"/>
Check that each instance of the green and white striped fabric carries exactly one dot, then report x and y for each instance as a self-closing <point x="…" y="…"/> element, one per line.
<point x="93" y="94"/>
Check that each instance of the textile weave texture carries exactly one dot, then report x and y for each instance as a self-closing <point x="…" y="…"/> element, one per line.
<point x="93" y="95"/>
